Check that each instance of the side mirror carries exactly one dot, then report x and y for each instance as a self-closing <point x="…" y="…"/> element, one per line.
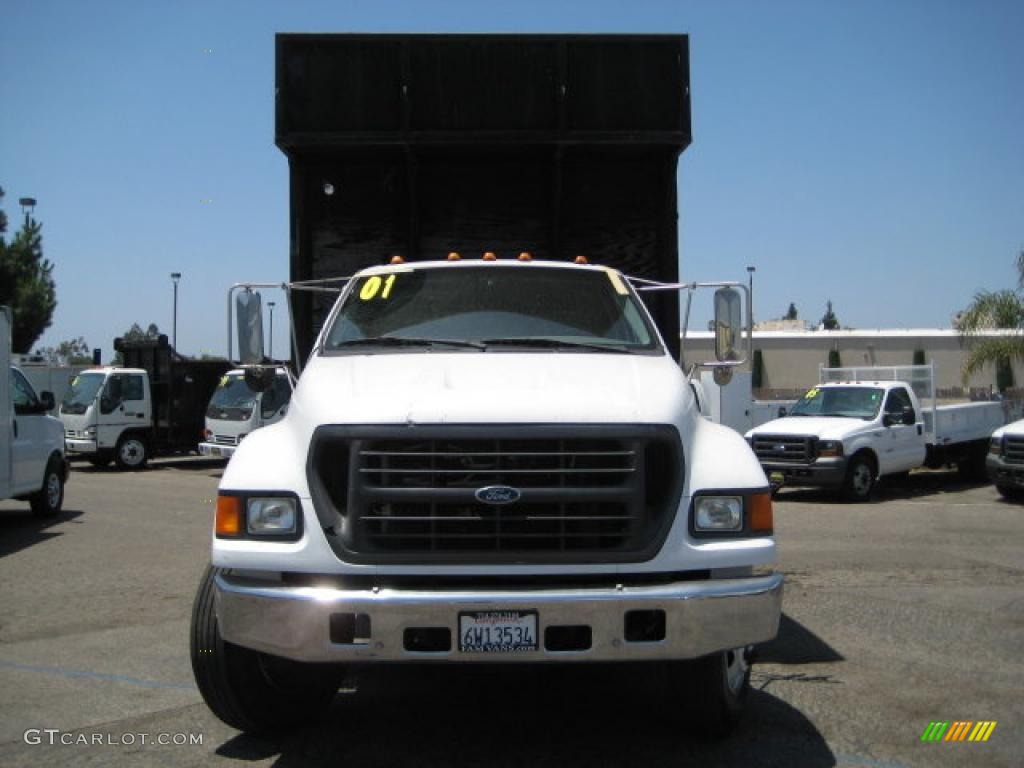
<point x="249" y="313"/>
<point x="782" y="411"/>
<point x="46" y="401"/>
<point x="728" y="324"/>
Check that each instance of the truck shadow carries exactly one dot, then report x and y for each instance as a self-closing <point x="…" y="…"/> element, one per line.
<point x="587" y="715"/>
<point x="917" y="485"/>
<point x="20" y="529"/>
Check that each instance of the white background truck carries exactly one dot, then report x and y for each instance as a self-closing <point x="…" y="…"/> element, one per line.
<point x="236" y="410"/>
<point x="1005" y="460"/>
<point x="861" y="424"/>
<point x="153" y="405"/>
<point x="32" y="465"/>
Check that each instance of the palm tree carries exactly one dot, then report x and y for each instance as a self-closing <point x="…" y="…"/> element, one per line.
<point x="989" y="310"/>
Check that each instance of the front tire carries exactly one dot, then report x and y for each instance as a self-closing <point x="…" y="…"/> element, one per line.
<point x="132" y="452"/>
<point x="717" y="688"/>
<point x="47" y="501"/>
<point x="251" y="691"/>
<point x="860" y="479"/>
<point x="1010" y="492"/>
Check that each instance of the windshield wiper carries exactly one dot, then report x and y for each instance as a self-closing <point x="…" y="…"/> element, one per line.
<point x="553" y="344"/>
<point x="402" y="341"/>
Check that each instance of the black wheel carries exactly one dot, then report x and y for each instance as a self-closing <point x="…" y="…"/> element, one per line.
<point x="248" y="690"/>
<point x="860" y="479"/>
<point x="1010" y="492"/>
<point x="716" y="689"/>
<point x="47" y="501"/>
<point x="131" y="452"/>
<point x="100" y="460"/>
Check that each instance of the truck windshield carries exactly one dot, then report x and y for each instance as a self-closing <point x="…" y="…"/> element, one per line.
<point x="84" y="388"/>
<point x="488" y="307"/>
<point x="851" y="402"/>
<point x="233" y="392"/>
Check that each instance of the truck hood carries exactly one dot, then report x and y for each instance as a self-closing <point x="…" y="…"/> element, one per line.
<point x="824" y="427"/>
<point x="435" y="388"/>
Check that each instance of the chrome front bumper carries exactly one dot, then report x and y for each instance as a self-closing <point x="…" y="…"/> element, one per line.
<point x="701" y="617"/>
<point x="215" y="449"/>
<point x="79" y="445"/>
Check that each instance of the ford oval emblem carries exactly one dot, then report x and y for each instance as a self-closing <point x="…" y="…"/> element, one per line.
<point x="498" y="494"/>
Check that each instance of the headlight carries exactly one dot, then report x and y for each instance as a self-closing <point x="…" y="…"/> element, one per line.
<point x="90" y="432"/>
<point x="271" y="516"/>
<point x="718" y="513"/>
<point x="828" y="449"/>
<point x="995" y="446"/>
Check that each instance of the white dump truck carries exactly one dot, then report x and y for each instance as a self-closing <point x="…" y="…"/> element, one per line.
<point x="860" y="424"/>
<point x="487" y="461"/>
<point x="236" y="409"/>
<point x="32" y="463"/>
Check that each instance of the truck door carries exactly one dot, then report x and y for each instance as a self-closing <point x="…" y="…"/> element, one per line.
<point x="29" y="447"/>
<point x="123" y="406"/>
<point x="904" y="443"/>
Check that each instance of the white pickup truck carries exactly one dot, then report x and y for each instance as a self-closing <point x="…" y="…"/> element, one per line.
<point x="32" y="463"/>
<point x="1005" y="460"/>
<point x="487" y="462"/>
<point x="860" y="424"/>
<point x="236" y="410"/>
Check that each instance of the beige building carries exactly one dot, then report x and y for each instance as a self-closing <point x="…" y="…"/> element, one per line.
<point x="791" y="358"/>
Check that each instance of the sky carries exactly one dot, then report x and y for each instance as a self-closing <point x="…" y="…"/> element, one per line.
<point x="868" y="152"/>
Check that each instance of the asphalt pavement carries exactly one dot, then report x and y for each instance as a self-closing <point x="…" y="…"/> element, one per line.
<point x="897" y="613"/>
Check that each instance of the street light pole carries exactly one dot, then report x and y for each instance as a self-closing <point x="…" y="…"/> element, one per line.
<point x="271" y="305"/>
<point x="175" y="277"/>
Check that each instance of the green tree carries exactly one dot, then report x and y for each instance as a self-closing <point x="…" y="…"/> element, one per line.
<point x="989" y="310"/>
<point x="70" y="352"/>
<point x="791" y="313"/>
<point x="829" y="321"/>
<point x="26" y="282"/>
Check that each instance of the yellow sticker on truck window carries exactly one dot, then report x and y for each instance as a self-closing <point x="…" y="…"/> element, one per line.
<point x="811" y="394"/>
<point x="372" y="287"/>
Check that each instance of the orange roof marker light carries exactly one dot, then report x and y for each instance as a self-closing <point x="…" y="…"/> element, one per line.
<point x="489" y="256"/>
<point x="454" y="256"/>
<point x="581" y="260"/>
<point x="396" y="259"/>
<point x="525" y="256"/>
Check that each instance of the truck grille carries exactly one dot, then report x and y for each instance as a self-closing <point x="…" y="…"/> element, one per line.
<point x="784" y="448"/>
<point x="225" y="440"/>
<point x="1013" y="450"/>
<point x="573" y="493"/>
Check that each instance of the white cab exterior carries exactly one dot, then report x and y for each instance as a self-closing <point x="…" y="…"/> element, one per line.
<point x="229" y="421"/>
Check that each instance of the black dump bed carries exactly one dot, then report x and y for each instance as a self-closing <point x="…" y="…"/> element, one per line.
<point x="419" y="145"/>
<point x="181" y="387"/>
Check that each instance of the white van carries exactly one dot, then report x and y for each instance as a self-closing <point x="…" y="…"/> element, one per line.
<point x="32" y="463"/>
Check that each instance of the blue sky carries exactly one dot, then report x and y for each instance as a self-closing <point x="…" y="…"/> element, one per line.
<point x="867" y="152"/>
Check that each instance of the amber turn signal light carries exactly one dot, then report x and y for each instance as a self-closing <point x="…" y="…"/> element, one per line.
<point x="525" y="256"/>
<point x="762" y="519"/>
<point x="229" y="516"/>
<point x="397" y="259"/>
<point x="454" y="256"/>
<point x="581" y="260"/>
<point x="489" y="256"/>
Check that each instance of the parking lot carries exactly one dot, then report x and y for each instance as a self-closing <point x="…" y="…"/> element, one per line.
<point x="896" y="613"/>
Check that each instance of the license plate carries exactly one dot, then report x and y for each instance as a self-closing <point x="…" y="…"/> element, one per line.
<point x="497" y="631"/>
<point x="214" y="451"/>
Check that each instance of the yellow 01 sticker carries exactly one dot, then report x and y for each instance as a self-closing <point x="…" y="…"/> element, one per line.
<point x="372" y="287"/>
<point x="811" y="394"/>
